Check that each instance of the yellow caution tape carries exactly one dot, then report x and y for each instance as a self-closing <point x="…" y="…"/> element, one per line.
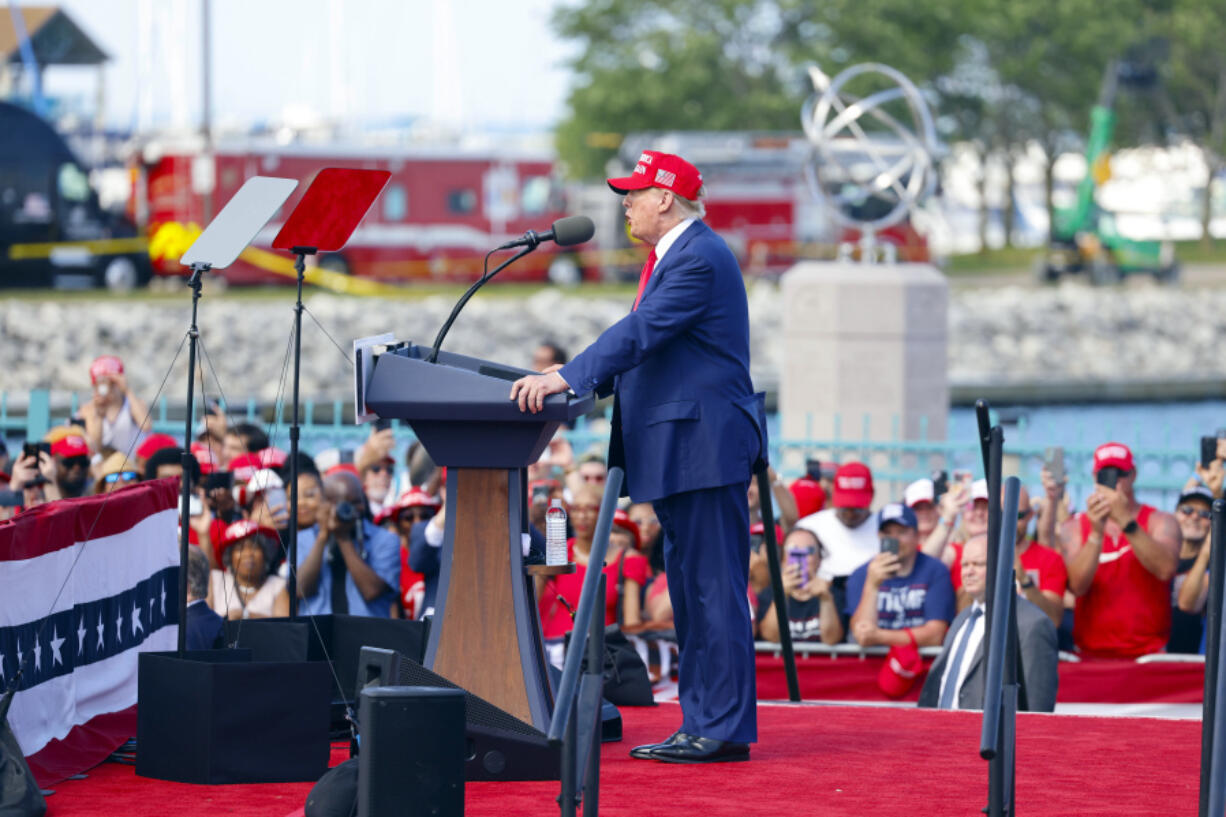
<point x="101" y="246"/>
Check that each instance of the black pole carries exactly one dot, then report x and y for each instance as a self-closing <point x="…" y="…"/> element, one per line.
<point x="772" y="561"/>
<point x="193" y="334"/>
<point x="1213" y="628"/>
<point x="595" y="664"/>
<point x="292" y="582"/>
<point x="996" y="763"/>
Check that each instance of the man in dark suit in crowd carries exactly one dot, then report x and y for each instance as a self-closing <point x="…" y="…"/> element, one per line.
<point x="956" y="679"/>
<point x="204" y="627"/>
<point x="687" y="429"/>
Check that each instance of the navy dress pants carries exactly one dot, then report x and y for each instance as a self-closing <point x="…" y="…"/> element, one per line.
<point x="706" y="558"/>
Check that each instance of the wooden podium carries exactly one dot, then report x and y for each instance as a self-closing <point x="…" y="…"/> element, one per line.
<point x="485" y="636"/>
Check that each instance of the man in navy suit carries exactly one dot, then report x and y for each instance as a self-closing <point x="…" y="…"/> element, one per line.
<point x="688" y="430"/>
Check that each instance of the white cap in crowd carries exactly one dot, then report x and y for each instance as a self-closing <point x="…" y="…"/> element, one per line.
<point x="922" y="490"/>
<point x="979" y="489"/>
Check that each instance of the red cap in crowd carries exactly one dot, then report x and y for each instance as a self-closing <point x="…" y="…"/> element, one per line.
<point x="759" y="529"/>
<point x="853" y="486"/>
<point x="244" y="466"/>
<point x="902" y="666"/>
<point x="154" y="443"/>
<point x="412" y="498"/>
<point x="810" y="496"/>
<point x="622" y="520"/>
<point x="343" y="466"/>
<point x="72" y="445"/>
<point x="1116" y="454"/>
<point x="241" y="530"/>
<point x="663" y="170"/>
<point x="272" y="457"/>
<point x="204" y="456"/>
<point x="104" y="366"/>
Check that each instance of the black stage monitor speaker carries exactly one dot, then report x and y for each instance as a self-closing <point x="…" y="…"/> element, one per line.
<point x="219" y="717"/>
<point x="500" y="746"/>
<point x="413" y="751"/>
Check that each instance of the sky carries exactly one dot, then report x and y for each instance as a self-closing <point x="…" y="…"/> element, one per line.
<point x="468" y="63"/>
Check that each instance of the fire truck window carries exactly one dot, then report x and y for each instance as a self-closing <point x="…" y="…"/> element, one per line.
<point x="534" y="199"/>
<point x="461" y="201"/>
<point x="73" y="183"/>
<point x="395" y="203"/>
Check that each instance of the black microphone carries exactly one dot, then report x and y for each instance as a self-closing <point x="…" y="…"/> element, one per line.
<point x="566" y="232"/>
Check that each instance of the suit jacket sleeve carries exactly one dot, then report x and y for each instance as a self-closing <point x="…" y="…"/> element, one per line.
<point x="676" y="305"/>
<point x="1040" y="658"/>
<point x="422" y="557"/>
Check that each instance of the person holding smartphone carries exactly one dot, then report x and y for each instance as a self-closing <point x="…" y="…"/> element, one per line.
<point x="115" y="418"/>
<point x="1121" y="557"/>
<point x="900" y="589"/>
<point x="813" y="611"/>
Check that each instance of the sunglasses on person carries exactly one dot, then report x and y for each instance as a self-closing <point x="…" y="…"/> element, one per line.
<point x="120" y="476"/>
<point x="1188" y="510"/>
<point x="417" y="514"/>
<point x="379" y="467"/>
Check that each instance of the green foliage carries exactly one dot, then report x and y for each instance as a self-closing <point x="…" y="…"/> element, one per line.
<point x="1000" y="72"/>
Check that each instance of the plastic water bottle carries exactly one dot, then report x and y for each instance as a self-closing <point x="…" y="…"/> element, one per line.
<point x="555" y="533"/>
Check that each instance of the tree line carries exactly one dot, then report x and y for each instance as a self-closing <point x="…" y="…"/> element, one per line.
<point x="999" y="74"/>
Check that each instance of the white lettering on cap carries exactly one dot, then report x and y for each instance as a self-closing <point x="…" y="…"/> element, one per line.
<point x="1114" y="452"/>
<point x="645" y="158"/>
<point x="641" y="169"/>
<point x="666" y="178"/>
<point x="852" y="483"/>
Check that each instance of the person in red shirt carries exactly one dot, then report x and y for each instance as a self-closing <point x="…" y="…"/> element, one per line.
<point x="559" y="595"/>
<point x="1121" y="556"/>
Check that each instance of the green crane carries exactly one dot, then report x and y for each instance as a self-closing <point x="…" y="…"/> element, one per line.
<point x="1085" y="237"/>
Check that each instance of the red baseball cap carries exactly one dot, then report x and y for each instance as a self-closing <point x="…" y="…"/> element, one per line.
<point x="1116" y="454"/>
<point x="204" y="456"/>
<point x="343" y="466"/>
<point x="104" y="366"/>
<point x="809" y="495"/>
<point x="412" y="498"/>
<point x="241" y="530"/>
<point x="244" y="466"/>
<point x="154" y="443"/>
<point x="622" y="520"/>
<point x="853" y="486"/>
<point x="663" y="170"/>
<point x="272" y="457"/>
<point x="73" y="445"/>
<point x="901" y="668"/>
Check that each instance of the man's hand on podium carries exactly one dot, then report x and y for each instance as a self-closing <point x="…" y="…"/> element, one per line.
<point x="530" y="392"/>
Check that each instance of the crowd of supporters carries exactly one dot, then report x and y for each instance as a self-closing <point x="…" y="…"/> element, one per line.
<point x="1117" y="578"/>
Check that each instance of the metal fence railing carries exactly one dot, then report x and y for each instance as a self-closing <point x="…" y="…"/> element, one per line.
<point x="1162" y="469"/>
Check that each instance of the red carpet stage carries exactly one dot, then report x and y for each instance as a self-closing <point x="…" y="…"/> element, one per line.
<point x="812" y="760"/>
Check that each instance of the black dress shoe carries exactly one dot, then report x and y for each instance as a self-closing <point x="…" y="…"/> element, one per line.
<point x="647" y="750"/>
<point x="692" y="749"/>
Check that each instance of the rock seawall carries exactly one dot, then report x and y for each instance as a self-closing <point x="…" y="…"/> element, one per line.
<point x="998" y="335"/>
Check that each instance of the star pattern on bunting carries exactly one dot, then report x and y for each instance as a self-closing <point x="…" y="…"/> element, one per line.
<point x="56" y="644"/>
<point x="101" y="627"/>
<point x="38" y="656"/>
<point x="81" y="637"/>
<point x="136" y="625"/>
<point x="119" y="626"/>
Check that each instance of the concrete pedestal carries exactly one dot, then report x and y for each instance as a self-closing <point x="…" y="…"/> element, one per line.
<point x="865" y="356"/>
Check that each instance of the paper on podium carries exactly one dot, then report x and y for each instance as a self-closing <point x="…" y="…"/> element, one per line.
<point x="331" y="208"/>
<point x="236" y="225"/>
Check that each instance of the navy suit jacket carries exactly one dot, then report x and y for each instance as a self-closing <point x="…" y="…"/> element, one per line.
<point x="685" y="416"/>
<point x="204" y="628"/>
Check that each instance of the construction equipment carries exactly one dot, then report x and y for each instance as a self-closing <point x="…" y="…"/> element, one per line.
<point x="1085" y="237"/>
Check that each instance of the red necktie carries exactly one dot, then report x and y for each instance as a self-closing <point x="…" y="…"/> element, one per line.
<point x="644" y="276"/>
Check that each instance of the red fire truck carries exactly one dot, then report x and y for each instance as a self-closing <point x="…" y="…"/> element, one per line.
<point x="759" y="200"/>
<point x="441" y="211"/>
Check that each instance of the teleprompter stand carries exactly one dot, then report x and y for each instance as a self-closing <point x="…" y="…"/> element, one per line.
<point x="485" y="637"/>
<point x="189" y="727"/>
<point x="324" y="219"/>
